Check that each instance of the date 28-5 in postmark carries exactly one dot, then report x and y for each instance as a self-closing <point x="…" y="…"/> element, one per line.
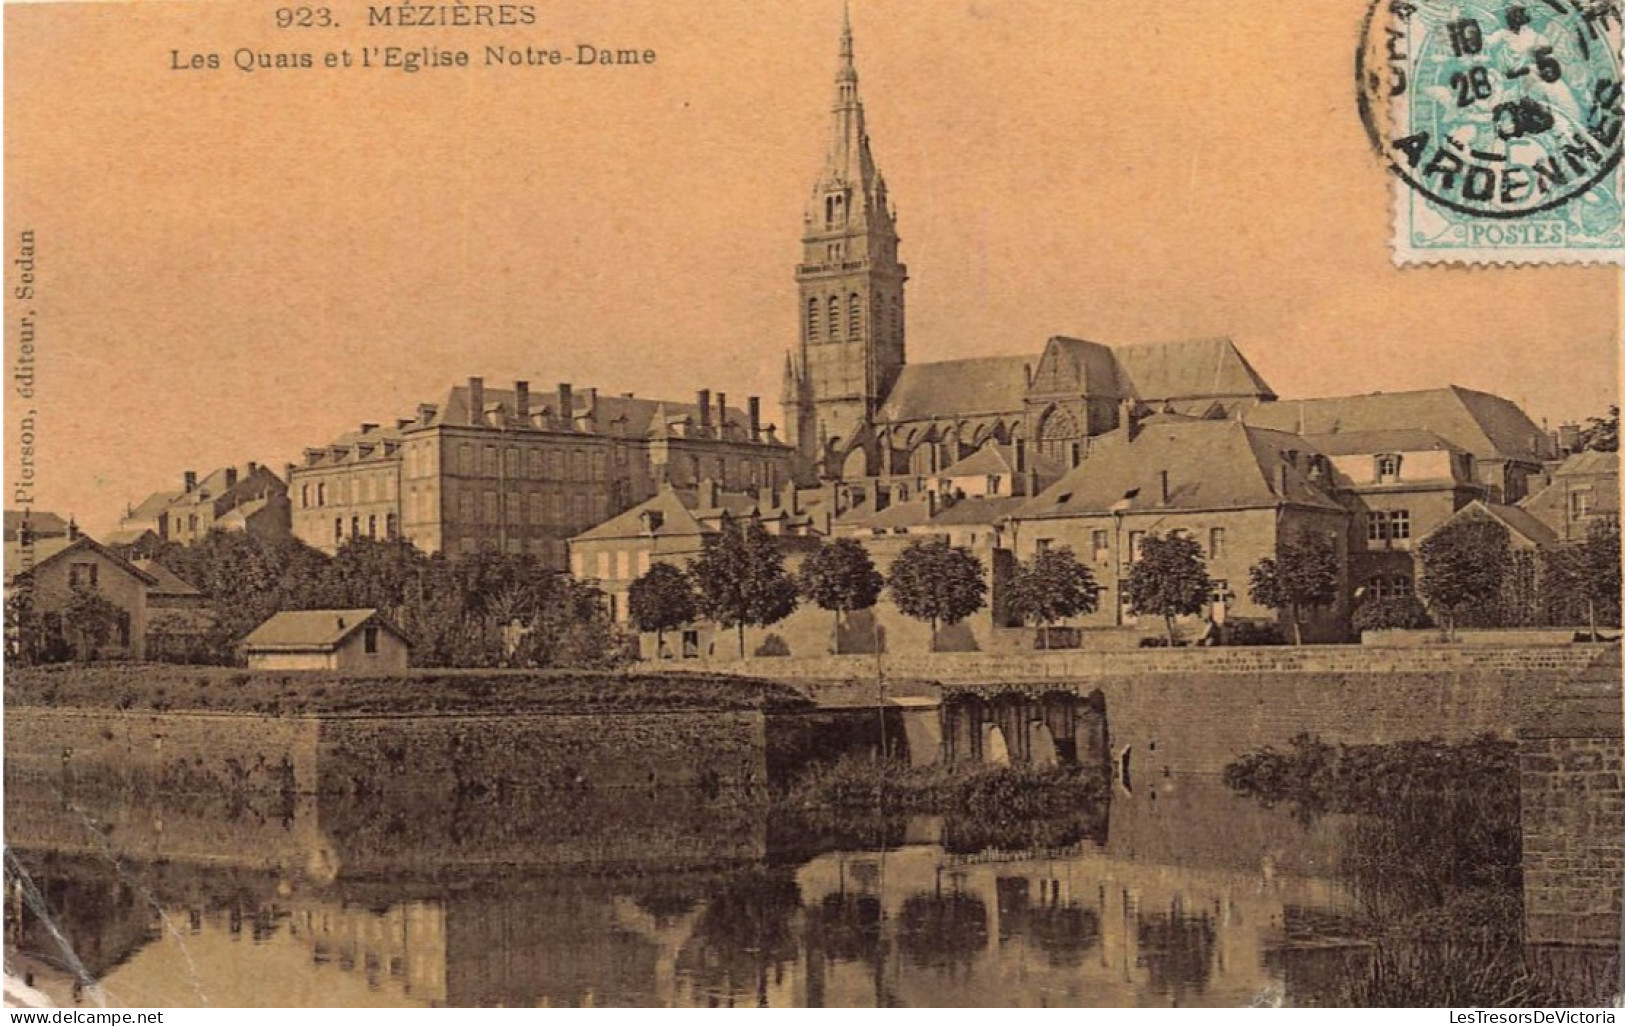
<point x="1501" y="120"/>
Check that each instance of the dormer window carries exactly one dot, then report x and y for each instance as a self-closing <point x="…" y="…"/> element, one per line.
<point x="993" y="484"/>
<point x="1387" y="468"/>
<point x="653" y="520"/>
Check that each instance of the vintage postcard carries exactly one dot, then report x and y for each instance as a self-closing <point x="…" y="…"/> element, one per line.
<point x="708" y="503"/>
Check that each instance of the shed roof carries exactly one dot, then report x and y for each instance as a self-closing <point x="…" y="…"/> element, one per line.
<point x="312" y="630"/>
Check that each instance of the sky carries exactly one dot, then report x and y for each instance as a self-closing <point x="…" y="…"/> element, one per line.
<point x="233" y="265"/>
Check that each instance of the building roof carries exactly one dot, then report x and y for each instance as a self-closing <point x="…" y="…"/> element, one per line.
<point x="128" y="536"/>
<point x="1394" y="440"/>
<point x="958" y="388"/>
<point x="1211" y="464"/>
<point x="1192" y="369"/>
<point x="1485" y="425"/>
<point x="152" y="505"/>
<point x="49" y="550"/>
<point x="1075" y="366"/>
<point x="44" y="524"/>
<point x="166" y="581"/>
<point x="1515" y="519"/>
<point x="977" y="510"/>
<point x="1589" y="464"/>
<point x="312" y="630"/>
<point x="684" y="512"/>
<point x="619" y="415"/>
<point x="991" y="458"/>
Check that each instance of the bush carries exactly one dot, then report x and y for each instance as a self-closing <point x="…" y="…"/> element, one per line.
<point x="1248" y="633"/>
<point x="1403" y="613"/>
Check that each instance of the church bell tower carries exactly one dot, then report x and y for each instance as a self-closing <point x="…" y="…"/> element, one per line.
<point x="850" y="286"/>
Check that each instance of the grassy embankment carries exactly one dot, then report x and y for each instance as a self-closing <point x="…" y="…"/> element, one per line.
<point x="1434" y="860"/>
<point x="163" y="688"/>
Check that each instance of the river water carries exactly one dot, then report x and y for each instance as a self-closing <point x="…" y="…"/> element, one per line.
<point x="1178" y="894"/>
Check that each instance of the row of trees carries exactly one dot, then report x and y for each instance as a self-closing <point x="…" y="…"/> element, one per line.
<point x="482" y="610"/>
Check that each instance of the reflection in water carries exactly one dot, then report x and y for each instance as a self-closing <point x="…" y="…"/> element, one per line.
<point x="663" y="899"/>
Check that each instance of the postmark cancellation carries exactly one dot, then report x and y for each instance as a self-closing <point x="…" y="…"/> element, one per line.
<point x="1501" y="121"/>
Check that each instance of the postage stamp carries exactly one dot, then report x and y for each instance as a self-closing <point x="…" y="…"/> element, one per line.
<point x="1501" y="120"/>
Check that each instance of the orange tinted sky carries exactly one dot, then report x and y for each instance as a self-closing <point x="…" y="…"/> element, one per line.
<point x="234" y="266"/>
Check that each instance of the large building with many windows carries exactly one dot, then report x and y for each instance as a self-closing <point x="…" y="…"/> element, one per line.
<point x="509" y="470"/>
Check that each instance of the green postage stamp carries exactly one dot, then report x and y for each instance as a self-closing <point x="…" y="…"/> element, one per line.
<point x="1501" y="120"/>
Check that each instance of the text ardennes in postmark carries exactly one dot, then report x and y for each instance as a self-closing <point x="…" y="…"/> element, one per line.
<point x="1501" y="120"/>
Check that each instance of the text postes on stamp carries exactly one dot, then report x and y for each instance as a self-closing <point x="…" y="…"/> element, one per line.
<point x="1501" y="120"/>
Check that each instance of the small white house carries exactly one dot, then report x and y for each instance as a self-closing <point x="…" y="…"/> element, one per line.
<point x="327" y="639"/>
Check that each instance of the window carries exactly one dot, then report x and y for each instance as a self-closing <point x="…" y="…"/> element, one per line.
<point x="1387" y="468"/>
<point x="465" y="506"/>
<point x="1215" y="542"/>
<point x="834" y="318"/>
<point x="490" y="461"/>
<point x="372" y="525"/>
<point x="1044" y="544"/>
<point x="623" y="565"/>
<point x="812" y="320"/>
<point x="1392" y="525"/>
<point x="1136" y="540"/>
<point x="392" y="527"/>
<point x="355" y="527"/>
<point x="191" y="523"/>
<point x="603" y="565"/>
<point x="556" y="461"/>
<point x="854" y="316"/>
<point x="1388" y="587"/>
<point x="643" y="562"/>
<point x="1399" y="524"/>
<point x="304" y="496"/>
<point x="490" y="507"/>
<point x="465" y="459"/>
<point x="598" y="465"/>
<point x="82" y="575"/>
<point x="321" y="493"/>
<point x="369" y="640"/>
<point x="511" y="460"/>
<point x="993" y="484"/>
<point x="1098" y="542"/>
<point x="1221" y="593"/>
<point x="536" y="464"/>
<point x="1579" y="504"/>
<point x="338" y="530"/>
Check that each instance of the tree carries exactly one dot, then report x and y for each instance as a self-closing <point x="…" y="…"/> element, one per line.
<point x="1590" y="569"/>
<point x="1052" y="586"/>
<point x="1601" y="434"/>
<point x="661" y="600"/>
<point x="29" y="637"/>
<point x="938" y="583"/>
<point x="91" y="619"/>
<point x="1400" y="612"/>
<point x="741" y="579"/>
<point x="841" y="578"/>
<point x="1169" y="579"/>
<point x="1463" y="563"/>
<point x="573" y="628"/>
<point x="1303" y="574"/>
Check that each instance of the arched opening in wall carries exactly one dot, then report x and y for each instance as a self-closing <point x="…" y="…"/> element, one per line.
<point x="994" y="750"/>
<point x="1043" y="753"/>
<point x="855" y="465"/>
<point x="1124" y="778"/>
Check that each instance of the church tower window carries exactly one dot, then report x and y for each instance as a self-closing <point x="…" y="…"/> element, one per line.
<point x="812" y="320"/>
<point x="834" y="318"/>
<point x="854" y="317"/>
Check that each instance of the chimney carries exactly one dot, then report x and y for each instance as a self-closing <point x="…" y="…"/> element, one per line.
<point x="340" y="620"/>
<point x="476" y="400"/>
<point x="521" y="399"/>
<point x="189" y="478"/>
<point x="567" y="404"/>
<point x="722" y="415"/>
<point x="1163" y="474"/>
<point x="73" y="528"/>
<point x="287" y="471"/>
<point x="231" y="477"/>
<point x="702" y="399"/>
<point x="755" y="406"/>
